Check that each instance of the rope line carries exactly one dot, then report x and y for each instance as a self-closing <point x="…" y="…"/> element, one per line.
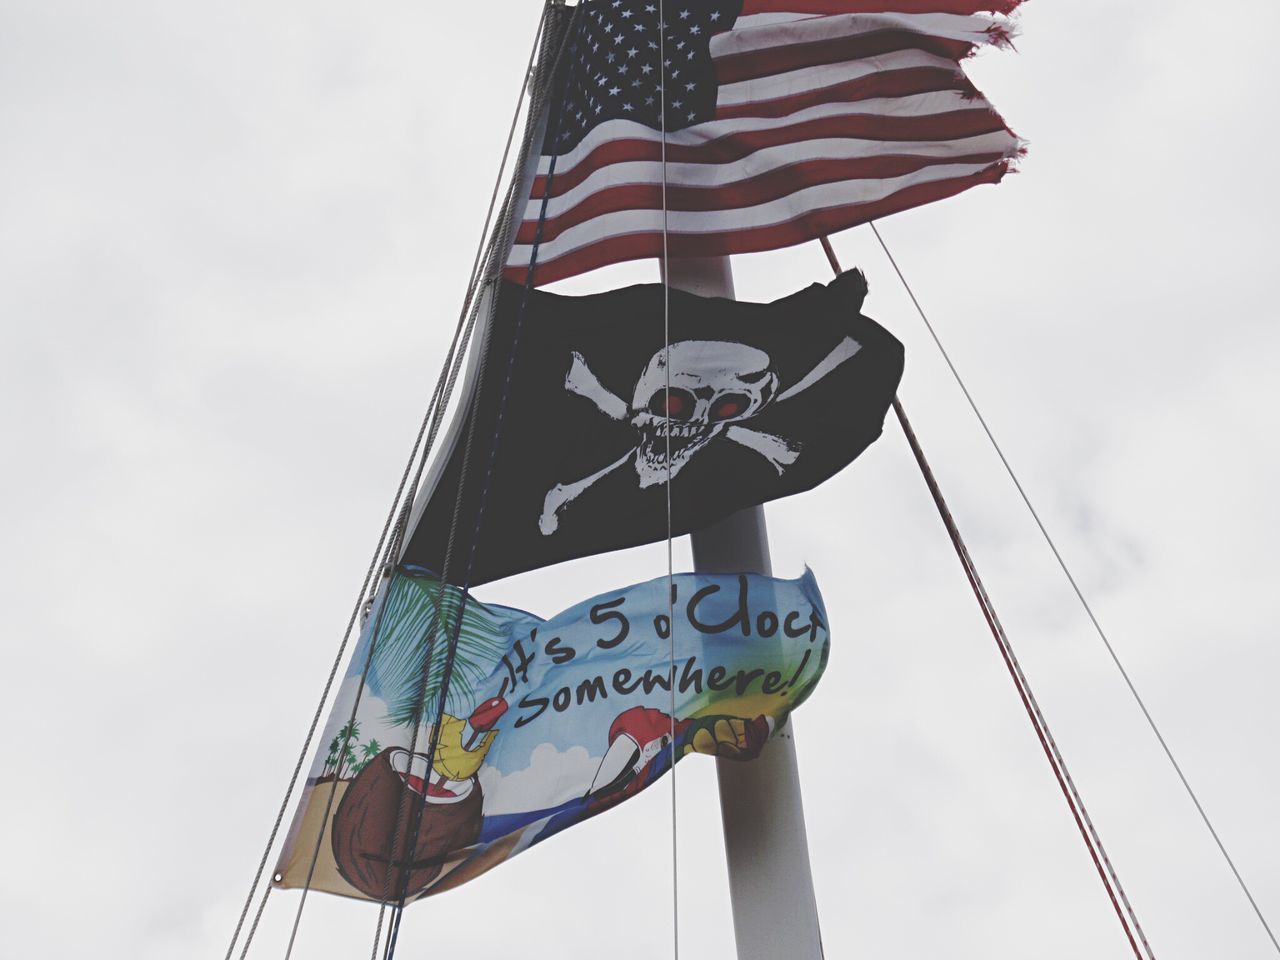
<point x="1084" y="823"/>
<point x="444" y="389"/>
<point x="473" y="418"/>
<point x="377" y="932"/>
<point x="430" y="633"/>
<point x="427" y="430"/>
<point x="1084" y="603"/>
<point x="257" y="917"/>
<point x="493" y="266"/>
<point x="348" y="730"/>
<point x="1051" y="752"/>
<point x="666" y="352"/>
<point x="324" y="696"/>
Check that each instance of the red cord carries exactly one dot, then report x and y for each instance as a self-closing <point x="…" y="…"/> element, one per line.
<point x="1074" y="803"/>
<point x="1002" y="642"/>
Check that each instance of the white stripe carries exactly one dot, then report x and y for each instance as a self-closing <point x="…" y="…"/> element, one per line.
<point x="737" y="220"/>
<point x="711" y="175"/>
<point x="949" y="26"/>
<point x="780" y="85"/>
<point x="920" y="105"/>
<point x="769" y="19"/>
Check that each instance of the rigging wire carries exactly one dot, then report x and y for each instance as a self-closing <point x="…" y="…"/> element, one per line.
<point x="443" y="391"/>
<point x="450" y="655"/>
<point x="324" y="696"/>
<point x="377" y="932"/>
<point x="666" y="353"/>
<point x="257" y="917"/>
<point x="431" y="629"/>
<point x="427" y="430"/>
<point x="1075" y="587"/>
<point x="1090" y="837"/>
<point x="347" y="731"/>
<point x="1092" y="841"/>
<point x="459" y="350"/>
<point x="492" y="264"/>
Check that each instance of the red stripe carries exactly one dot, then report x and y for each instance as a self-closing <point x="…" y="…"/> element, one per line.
<point x="889" y="83"/>
<point x="816" y="223"/>
<point x="954" y="125"/>
<point x="784" y="57"/>
<point x="832" y="7"/>
<point x="772" y="185"/>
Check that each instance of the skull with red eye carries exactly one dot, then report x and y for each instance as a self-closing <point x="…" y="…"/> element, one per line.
<point x="729" y="406"/>
<point x="675" y="403"/>
<point x="711" y="384"/>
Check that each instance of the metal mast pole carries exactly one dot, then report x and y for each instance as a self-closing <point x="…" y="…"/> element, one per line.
<point x="775" y="912"/>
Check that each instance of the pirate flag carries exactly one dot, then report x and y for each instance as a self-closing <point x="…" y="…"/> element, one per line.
<point x="570" y="453"/>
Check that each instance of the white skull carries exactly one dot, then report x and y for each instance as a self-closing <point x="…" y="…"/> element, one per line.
<point x="714" y="383"/>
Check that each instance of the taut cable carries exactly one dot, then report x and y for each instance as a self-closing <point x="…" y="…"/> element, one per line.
<point x="396" y="516"/>
<point x="1075" y="587"/>
<point x="473" y="416"/>
<point x="666" y="405"/>
<point x="1093" y="843"/>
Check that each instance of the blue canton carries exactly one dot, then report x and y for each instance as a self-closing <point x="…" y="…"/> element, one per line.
<point x="622" y="51"/>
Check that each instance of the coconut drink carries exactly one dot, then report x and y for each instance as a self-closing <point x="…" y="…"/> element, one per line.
<point x="401" y="797"/>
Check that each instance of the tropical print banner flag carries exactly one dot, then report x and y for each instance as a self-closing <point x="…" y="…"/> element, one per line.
<point x="785" y="120"/>
<point x="546" y="722"/>
<point x="766" y="400"/>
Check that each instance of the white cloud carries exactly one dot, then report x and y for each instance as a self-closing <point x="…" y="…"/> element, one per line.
<point x="552" y="777"/>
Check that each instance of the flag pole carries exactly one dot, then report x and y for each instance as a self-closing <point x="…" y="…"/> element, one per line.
<point x="775" y="911"/>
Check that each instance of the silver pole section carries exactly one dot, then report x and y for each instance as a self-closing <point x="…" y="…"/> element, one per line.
<point x="775" y="911"/>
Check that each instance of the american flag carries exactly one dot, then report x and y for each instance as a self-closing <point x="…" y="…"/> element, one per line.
<point x="786" y="120"/>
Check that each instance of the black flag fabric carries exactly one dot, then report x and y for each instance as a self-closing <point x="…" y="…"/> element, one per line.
<point x="766" y="400"/>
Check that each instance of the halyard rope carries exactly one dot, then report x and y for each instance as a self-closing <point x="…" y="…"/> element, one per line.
<point x="428" y="427"/>
<point x="324" y="696"/>
<point x="445" y="386"/>
<point x="1075" y="587"/>
<point x="666" y="408"/>
<point x="1069" y="792"/>
<point x="257" y="917"/>
<point x="473" y="414"/>
<point x="377" y="932"/>
<point x="1110" y="881"/>
<point x="347" y="732"/>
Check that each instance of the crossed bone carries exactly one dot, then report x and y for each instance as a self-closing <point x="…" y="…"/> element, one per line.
<point x="779" y="452"/>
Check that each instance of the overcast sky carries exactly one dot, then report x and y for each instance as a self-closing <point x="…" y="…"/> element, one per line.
<point x="233" y="242"/>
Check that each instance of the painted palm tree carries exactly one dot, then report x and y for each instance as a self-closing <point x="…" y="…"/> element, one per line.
<point x="342" y="749"/>
<point x="414" y="634"/>
<point x="331" y="761"/>
<point x="349" y="759"/>
<point x="367" y="754"/>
